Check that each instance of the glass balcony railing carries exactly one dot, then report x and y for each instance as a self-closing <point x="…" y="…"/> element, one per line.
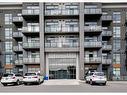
<point x="17" y="19"/>
<point x="19" y="62"/>
<point x="93" y="60"/>
<point x="62" y="12"/>
<point x="106" y="61"/>
<point x="31" y="60"/>
<point x="17" y="34"/>
<point x="106" y="17"/>
<point x="93" y="11"/>
<point x="107" y="47"/>
<point x="17" y="48"/>
<point x="93" y="44"/>
<point x="106" y="33"/>
<point x="92" y="28"/>
<point x="62" y="29"/>
<point x="30" y="12"/>
<point x="61" y="45"/>
<point x="30" y="30"/>
<point x="31" y="45"/>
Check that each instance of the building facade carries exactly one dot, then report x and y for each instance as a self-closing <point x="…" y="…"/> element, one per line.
<point x="63" y="40"/>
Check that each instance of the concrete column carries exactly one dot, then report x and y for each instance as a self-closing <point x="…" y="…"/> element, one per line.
<point x="81" y="36"/>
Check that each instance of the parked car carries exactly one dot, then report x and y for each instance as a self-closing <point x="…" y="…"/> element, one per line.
<point x="12" y="78"/>
<point x="96" y="77"/>
<point x="32" y="78"/>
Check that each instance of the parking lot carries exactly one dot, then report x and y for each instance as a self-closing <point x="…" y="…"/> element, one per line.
<point x="112" y="86"/>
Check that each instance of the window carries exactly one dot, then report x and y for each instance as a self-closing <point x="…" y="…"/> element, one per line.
<point x="116" y="32"/>
<point x="116" y="58"/>
<point x="8" y="18"/>
<point x="33" y="27"/>
<point x="33" y="69"/>
<point x="116" y="17"/>
<point x="90" y="6"/>
<point x="8" y="46"/>
<point x="8" y="59"/>
<point x="8" y="70"/>
<point x="8" y="33"/>
<point x="116" y="73"/>
<point x="116" y="45"/>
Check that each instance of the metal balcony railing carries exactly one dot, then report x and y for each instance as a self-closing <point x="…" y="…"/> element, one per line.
<point x="30" y="12"/>
<point x="93" y="44"/>
<point x="31" y="45"/>
<point x="62" y="12"/>
<point x="17" y="34"/>
<point x="17" y="19"/>
<point x="93" y="60"/>
<point x="17" y="48"/>
<point x="93" y="11"/>
<point x="19" y="62"/>
<point x="107" y="47"/>
<point x="31" y="60"/>
<point x="62" y="29"/>
<point x="62" y="45"/>
<point x="92" y="28"/>
<point x="106" y="17"/>
<point x="106" y="61"/>
<point x="106" y="33"/>
<point x="32" y="29"/>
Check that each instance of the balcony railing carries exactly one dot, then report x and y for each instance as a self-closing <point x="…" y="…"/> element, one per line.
<point x="92" y="28"/>
<point x="17" y="34"/>
<point x="32" y="30"/>
<point x="31" y="60"/>
<point x="93" y="44"/>
<point x="61" y="45"/>
<point x="107" y="47"/>
<point x="62" y="12"/>
<point x="93" y="60"/>
<point x="106" y="17"/>
<point x="19" y="62"/>
<point x="30" y="12"/>
<point x="93" y="11"/>
<point x="62" y="29"/>
<point x="31" y="45"/>
<point x="17" y="48"/>
<point x="17" y="19"/>
<point x="106" y="61"/>
<point x="107" y="33"/>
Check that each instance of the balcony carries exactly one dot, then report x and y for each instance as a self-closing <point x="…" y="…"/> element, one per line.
<point x="31" y="60"/>
<point x="106" y="61"/>
<point x="62" y="47"/>
<point x="107" y="47"/>
<point x="31" y="14"/>
<point x="31" y="45"/>
<point x="30" y="31"/>
<point x="62" y="12"/>
<point x="93" y="60"/>
<point x="107" y="33"/>
<point x="94" y="44"/>
<point x="18" y="21"/>
<point x="17" y="49"/>
<point x="62" y="29"/>
<point x="106" y="19"/>
<point x="19" y="62"/>
<point x="17" y="35"/>
<point x="96" y="11"/>
<point x="93" y="29"/>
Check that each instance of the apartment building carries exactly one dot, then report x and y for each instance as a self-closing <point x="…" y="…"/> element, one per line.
<point x="64" y="40"/>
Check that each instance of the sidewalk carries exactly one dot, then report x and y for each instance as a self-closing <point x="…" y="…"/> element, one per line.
<point x="61" y="82"/>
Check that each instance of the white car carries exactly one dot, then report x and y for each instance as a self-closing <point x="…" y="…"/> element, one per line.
<point x="15" y="79"/>
<point x="32" y="78"/>
<point x="96" y="77"/>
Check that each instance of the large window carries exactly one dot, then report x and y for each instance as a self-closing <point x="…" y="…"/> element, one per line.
<point x="116" y="32"/>
<point x="8" y="33"/>
<point x="8" y="18"/>
<point x="8" y="59"/>
<point x="8" y="46"/>
<point x="116" y="58"/>
<point x="116" y="45"/>
<point x="116" y="17"/>
<point x="33" y="27"/>
<point x="116" y="73"/>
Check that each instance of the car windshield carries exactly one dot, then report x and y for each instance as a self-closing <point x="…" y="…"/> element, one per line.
<point x="7" y="75"/>
<point x="30" y="74"/>
<point x="99" y="74"/>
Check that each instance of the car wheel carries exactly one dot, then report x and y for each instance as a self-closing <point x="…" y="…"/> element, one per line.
<point x="4" y="84"/>
<point x="86" y="81"/>
<point x="25" y="83"/>
<point x="91" y="83"/>
<point x="39" y="82"/>
<point x="104" y="83"/>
